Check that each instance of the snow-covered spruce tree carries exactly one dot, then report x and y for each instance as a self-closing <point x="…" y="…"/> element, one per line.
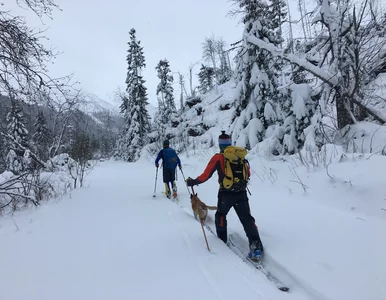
<point x="344" y="58"/>
<point x="158" y="127"/>
<point x="81" y="151"/>
<point x="108" y="137"/>
<point x="17" y="139"/>
<point x="206" y="78"/>
<point x="210" y="51"/>
<point x="181" y="80"/>
<point x="41" y="136"/>
<point x="166" y="106"/>
<point x="224" y="71"/>
<point x="257" y="74"/>
<point x="294" y="104"/>
<point x="133" y="136"/>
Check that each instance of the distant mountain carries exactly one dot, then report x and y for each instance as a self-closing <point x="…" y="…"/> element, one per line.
<point x="98" y="109"/>
<point x="93" y="104"/>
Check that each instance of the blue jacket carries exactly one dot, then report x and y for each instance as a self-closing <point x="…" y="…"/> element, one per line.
<point x="170" y="159"/>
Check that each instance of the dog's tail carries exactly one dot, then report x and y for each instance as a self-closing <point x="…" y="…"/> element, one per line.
<point x="211" y="207"/>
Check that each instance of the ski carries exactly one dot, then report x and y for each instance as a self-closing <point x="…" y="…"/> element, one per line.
<point x="172" y="198"/>
<point x="257" y="265"/>
<point x="243" y="254"/>
<point x="175" y="197"/>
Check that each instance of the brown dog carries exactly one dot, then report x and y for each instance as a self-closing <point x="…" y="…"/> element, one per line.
<point x="200" y="209"/>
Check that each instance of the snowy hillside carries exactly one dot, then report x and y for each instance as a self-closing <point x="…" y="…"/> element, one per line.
<point x="113" y="240"/>
<point x="204" y="119"/>
<point x="93" y="104"/>
<point x="105" y="113"/>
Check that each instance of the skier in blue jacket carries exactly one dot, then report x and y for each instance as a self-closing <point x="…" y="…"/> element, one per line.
<point x="170" y="160"/>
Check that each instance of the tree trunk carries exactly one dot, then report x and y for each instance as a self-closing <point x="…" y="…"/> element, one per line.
<point x="342" y="106"/>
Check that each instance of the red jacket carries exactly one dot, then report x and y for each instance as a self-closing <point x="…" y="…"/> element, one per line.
<point x="216" y="163"/>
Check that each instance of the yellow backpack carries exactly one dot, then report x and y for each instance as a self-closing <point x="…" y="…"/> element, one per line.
<point x="236" y="173"/>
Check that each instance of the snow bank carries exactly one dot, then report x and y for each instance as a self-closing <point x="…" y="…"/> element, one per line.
<point x="365" y="137"/>
<point x="5" y="176"/>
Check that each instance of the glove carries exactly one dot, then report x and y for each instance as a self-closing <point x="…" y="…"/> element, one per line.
<point x="156" y="165"/>
<point x="191" y="181"/>
<point x="180" y="167"/>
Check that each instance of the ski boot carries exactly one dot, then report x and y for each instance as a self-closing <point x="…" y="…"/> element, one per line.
<point x="167" y="191"/>
<point x="256" y="251"/>
<point x="174" y="190"/>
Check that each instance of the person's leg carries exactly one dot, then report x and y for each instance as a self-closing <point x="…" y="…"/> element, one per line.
<point x="167" y="189"/>
<point x="243" y="212"/>
<point x="166" y="178"/>
<point x="224" y="204"/>
<point x="173" y="181"/>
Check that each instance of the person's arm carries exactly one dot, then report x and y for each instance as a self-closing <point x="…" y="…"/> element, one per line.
<point x="216" y="163"/>
<point x="248" y="166"/>
<point x="159" y="156"/>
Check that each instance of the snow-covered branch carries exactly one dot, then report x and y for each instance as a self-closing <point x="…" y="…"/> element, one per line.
<point x="375" y="114"/>
<point x="33" y="155"/>
<point x="316" y="71"/>
<point x="27" y="197"/>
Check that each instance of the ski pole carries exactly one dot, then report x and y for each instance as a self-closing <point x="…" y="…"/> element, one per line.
<point x="203" y="231"/>
<point x="249" y="191"/>
<point x="155" y="184"/>
<point x="202" y="225"/>
<point x="185" y="181"/>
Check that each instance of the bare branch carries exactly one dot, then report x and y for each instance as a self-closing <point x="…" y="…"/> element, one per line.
<point x="20" y="195"/>
<point x="299" y="181"/>
<point x="23" y="58"/>
<point x="39" y="7"/>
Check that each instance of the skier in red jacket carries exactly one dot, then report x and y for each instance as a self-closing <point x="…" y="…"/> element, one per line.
<point x="235" y="197"/>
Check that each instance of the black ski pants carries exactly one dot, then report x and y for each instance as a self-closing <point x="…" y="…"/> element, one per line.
<point x="169" y="175"/>
<point x="239" y="201"/>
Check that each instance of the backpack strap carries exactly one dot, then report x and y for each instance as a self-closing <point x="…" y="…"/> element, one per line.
<point x="228" y="174"/>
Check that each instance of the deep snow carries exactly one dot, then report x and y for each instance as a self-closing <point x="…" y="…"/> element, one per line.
<point x="113" y="240"/>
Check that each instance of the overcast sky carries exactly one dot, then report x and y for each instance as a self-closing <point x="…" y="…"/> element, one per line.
<point x="93" y="36"/>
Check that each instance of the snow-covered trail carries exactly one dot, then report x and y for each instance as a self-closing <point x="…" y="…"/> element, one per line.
<point x="112" y="240"/>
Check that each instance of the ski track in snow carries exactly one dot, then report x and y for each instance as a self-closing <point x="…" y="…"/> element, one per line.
<point x="271" y="265"/>
<point x="201" y="265"/>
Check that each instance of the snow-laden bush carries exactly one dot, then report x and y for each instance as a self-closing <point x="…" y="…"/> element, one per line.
<point x="60" y="175"/>
<point x="364" y="137"/>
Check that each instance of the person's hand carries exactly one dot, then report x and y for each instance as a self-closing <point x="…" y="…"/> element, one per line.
<point x="157" y="165"/>
<point x="191" y="181"/>
<point x="180" y="167"/>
